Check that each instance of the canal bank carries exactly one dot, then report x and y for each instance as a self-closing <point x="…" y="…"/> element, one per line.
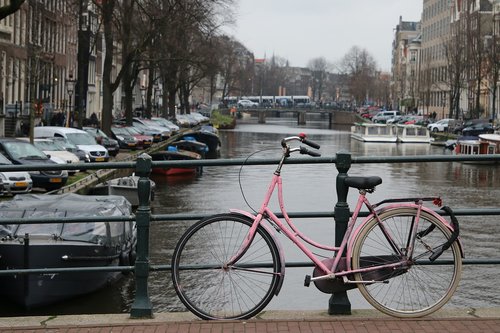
<point x="455" y="320"/>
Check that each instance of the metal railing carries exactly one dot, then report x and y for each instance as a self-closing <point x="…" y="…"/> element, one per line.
<point x="142" y="306"/>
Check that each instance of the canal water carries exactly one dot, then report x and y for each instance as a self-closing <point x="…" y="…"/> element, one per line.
<point x="308" y="188"/>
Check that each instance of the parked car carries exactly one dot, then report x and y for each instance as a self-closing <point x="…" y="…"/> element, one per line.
<point x="151" y="128"/>
<point x="184" y="120"/>
<point x="143" y="141"/>
<point x="246" y="103"/>
<point x="441" y="125"/>
<point x="14" y="182"/>
<point x="468" y="123"/>
<point x="24" y="153"/>
<point x="55" y="151"/>
<point x="166" y="123"/>
<point x="479" y="128"/>
<point x="81" y="139"/>
<point x="383" y="116"/>
<point x="82" y="154"/>
<point x="103" y="139"/>
<point x="201" y="118"/>
<point x="124" y="138"/>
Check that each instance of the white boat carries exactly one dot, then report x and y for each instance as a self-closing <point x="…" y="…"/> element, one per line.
<point x="371" y="132"/>
<point x="124" y="186"/>
<point x="412" y="134"/>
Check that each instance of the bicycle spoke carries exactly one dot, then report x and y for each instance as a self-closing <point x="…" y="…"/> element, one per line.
<point x="412" y="289"/>
<point x="237" y="291"/>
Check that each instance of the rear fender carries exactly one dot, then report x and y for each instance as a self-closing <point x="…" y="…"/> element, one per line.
<point x="385" y="209"/>
<point x="272" y="234"/>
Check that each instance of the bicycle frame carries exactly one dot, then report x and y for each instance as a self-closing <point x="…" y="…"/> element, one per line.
<point x="291" y="231"/>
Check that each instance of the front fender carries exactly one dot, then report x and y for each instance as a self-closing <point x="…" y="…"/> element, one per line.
<point x="272" y="234"/>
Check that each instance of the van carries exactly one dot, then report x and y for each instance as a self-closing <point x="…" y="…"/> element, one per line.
<point x="79" y="138"/>
<point x="383" y="116"/>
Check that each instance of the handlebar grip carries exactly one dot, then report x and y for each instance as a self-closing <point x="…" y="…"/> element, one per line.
<point x="304" y="150"/>
<point x="311" y="144"/>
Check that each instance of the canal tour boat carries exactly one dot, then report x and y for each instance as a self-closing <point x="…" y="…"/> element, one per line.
<point x="63" y="246"/>
<point x="412" y="134"/>
<point x="372" y="132"/>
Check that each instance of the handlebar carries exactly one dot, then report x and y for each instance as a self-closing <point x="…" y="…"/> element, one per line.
<point x="303" y="150"/>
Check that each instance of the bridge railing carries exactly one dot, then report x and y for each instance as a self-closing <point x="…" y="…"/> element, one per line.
<point x="142" y="306"/>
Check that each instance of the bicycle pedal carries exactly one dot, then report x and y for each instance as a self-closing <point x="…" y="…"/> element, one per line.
<point x="307" y="281"/>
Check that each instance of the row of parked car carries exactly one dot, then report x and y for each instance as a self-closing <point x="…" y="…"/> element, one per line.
<point x="53" y="144"/>
<point x="471" y="127"/>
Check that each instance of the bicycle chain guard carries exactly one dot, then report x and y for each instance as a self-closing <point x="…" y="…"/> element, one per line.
<point x="330" y="286"/>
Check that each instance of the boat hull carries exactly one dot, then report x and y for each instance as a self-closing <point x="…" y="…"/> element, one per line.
<point x="176" y="155"/>
<point x="39" y="289"/>
<point x="63" y="246"/>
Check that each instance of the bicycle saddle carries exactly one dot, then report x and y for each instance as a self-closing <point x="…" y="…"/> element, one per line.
<point x="364" y="183"/>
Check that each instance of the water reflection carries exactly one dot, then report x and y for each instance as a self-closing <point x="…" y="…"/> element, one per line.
<point x="310" y="188"/>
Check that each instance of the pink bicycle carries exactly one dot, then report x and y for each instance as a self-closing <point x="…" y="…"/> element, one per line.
<point x="404" y="258"/>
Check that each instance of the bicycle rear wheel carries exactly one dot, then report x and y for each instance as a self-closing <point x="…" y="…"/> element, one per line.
<point x="212" y="291"/>
<point x="418" y="287"/>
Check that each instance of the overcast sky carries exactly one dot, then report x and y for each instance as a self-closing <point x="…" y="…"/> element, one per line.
<point x="300" y="30"/>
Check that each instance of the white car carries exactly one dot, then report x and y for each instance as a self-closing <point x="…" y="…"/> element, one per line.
<point x="56" y="151"/>
<point x="246" y="103"/>
<point x="14" y="182"/>
<point x="440" y="125"/>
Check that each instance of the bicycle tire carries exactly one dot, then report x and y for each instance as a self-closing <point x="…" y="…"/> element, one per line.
<point x="421" y="287"/>
<point x="212" y="292"/>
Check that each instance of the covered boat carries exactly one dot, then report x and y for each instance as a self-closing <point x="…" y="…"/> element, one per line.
<point x="209" y="136"/>
<point x="63" y="245"/>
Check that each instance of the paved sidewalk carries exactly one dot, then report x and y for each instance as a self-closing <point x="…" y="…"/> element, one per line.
<point x="368" y="321"/>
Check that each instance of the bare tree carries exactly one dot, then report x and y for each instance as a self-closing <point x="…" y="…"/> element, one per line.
<point x="10" y="8"/>
<point x="319" y="67"/>
<point x="492" y="64"/>
<point x="455" y="51"/>
<point x="360" y="68"/>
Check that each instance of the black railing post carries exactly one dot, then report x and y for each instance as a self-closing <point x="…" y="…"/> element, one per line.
<point x="339" y="302"/>
<point x="142" y="304"/>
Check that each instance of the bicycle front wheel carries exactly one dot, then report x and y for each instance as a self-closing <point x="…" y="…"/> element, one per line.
<point x="416" y="287"/>
<point x="207" y="286"/>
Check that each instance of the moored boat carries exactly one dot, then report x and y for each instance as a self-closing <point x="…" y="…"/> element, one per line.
<point x="371" y="132"/>
<point x="174" y="154"/>
<point x="63" y="245"/>
<point x="484" y="144"/>
<point x="189" y="143"/>
<point x="125" y="186"/>
<point x="209" y="136"/>
<point x="412" y="134"/>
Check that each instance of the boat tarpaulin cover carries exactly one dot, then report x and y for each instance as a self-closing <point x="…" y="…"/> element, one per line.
<point x="67" y="205"/>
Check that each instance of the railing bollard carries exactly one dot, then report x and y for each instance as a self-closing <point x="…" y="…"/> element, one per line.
<point x="339" y="302"/>
<point x="142" y="307"/>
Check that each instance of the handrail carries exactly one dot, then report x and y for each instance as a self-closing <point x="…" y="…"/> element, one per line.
<point x="142" y="306"/>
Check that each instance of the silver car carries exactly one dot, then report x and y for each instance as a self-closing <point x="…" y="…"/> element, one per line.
<point x="14" y="182"/>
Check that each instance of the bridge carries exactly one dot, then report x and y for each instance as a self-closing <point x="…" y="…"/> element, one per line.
<point x="334" y="116"/>
<point x="142" y="306"/>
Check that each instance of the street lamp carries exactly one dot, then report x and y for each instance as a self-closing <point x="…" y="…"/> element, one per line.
<point x="156" y="87"/>
<point x="70" y="88"/>
<point x="143" y="97"/>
